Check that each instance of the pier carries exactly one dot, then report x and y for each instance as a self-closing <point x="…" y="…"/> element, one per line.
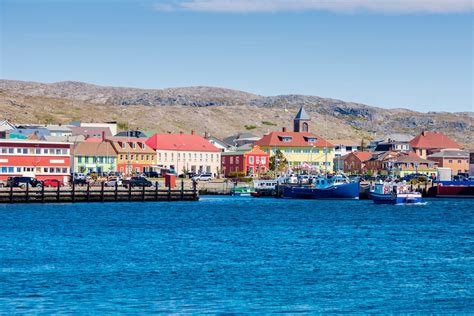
<point x="76" y="194"/>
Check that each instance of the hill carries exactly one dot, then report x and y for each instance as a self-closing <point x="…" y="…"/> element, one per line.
<point x="221" y="112"/>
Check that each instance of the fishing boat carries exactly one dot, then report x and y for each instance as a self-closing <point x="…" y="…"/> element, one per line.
<point x="241" y="191"/>
<point x="264" y="188"/>
<point x="395" y="193"/>
<point x="336" y="187"/>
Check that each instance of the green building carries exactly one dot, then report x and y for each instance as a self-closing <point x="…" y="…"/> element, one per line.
<point x="94" y="157"/>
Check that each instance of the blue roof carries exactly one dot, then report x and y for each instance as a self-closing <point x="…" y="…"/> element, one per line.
<point x="302" y="115"/>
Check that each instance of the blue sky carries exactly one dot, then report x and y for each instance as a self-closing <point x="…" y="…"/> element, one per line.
<point x="415" y="54"/>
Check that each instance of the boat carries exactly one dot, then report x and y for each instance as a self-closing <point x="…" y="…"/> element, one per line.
<point x="336" y="187"/>
<point x="455" y="189"/>
<point x="264" y="188"/>
<point x="394" y="193"/>
<point x="241" y="191"/>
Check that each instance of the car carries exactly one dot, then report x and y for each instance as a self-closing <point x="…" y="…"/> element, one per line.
<point x="137" y="182"/>
<point x="52" y="183"/>
<point x="22" y="182"/>
<point x="3" y="184"/>
<point x="113" y="182"/>
<point x="79" y="176"/>
<point x="203" y="177"/>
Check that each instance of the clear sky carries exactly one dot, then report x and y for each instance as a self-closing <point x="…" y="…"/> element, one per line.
<point x="416" y="54"/>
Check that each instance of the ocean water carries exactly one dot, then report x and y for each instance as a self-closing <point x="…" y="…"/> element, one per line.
<point x="237" y="255"/>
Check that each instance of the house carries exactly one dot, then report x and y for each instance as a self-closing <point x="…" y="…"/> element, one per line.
<point x="391" y="145"/>
<point x="185" y="153"/>
<point x="245" y="163"/>
<point x="133" y="155"/>
<point x="354" y="162"/>
<point x="59" y="130"/>
<point x="29" y="132"/>
<point x="344" y="146"/>
<point x="34" y="158"/>
<point x="401" y="138"/>
<point x="408" y="163"/>
<point x="5" y="128"/>
<point x="223" y="146"/>
<point x="94" y="157"/>
<point x="456" y="160"/>
<point x="299" y="147"/>
<point x="428" y="143"/>
<point x="376" y="163"/>
<point x="471" y="163"/>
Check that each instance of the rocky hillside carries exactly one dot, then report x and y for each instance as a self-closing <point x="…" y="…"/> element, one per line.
<point x="219" y="111"/>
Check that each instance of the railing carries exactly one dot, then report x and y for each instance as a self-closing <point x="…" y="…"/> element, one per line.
<point x="87" y="193"/>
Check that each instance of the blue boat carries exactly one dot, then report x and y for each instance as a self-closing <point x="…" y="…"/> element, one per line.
<point x="394" y="194"/>
<point x="337" y="187"/>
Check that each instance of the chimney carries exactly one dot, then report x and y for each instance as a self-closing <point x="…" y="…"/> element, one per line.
<point x="103" y="136"/>
<point x="193" y="132"/>
<point x="206" y="135"/>
<point x="181" y="132"/>
<point x="283" y="129"/>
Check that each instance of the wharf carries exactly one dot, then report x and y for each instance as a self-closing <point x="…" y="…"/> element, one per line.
<point x="75" y="194"/>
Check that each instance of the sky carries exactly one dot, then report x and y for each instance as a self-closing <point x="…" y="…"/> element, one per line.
<point x="415" y="54"/>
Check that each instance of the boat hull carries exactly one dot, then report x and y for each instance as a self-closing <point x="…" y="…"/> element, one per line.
<point x="397" y="199"/>
<point x="455" y="191"/>
<point x="342" y="191"/>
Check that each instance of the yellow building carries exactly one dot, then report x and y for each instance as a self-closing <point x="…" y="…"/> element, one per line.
<point x="300" y="147"/>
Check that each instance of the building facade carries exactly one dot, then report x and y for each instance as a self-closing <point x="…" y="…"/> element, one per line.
<point x="91" y="157"/>
<point x="354" y="163"/>
<point x="456" y="160"/>
<point x="133" y="155"/>
<point x="184" y="153"/>
<point x="33" y="158"/>
<point x="246" y="163"/>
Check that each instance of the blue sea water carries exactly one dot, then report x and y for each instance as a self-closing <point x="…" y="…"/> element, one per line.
<point x="225" y="254"/>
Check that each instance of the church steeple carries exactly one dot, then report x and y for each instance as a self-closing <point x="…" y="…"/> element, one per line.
<point x="301" y="121"/>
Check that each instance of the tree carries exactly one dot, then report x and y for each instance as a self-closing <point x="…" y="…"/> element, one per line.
<point x="278" y="162"/>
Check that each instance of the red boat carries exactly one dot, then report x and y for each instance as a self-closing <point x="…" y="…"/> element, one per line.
<point x="455" y="189"/>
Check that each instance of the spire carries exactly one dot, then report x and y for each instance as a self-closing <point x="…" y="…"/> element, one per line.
<point x="302" y="115"/>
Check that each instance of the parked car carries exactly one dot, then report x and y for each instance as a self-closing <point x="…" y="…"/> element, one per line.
<point x="79" y="176"/>
<point x="113" y="182"/>
<point x="152" y="174"/>
<point x="16" y="182"/>
<point x="53" y="183"/>
<point x="203" y="177"/>
<point x="137" y="182"/>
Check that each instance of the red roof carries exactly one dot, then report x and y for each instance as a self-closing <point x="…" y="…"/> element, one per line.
<point x="362" y="155"/>
<point x="183" y="142"/>
<point x="433" y="140"/>
<point x="275" y="139"/>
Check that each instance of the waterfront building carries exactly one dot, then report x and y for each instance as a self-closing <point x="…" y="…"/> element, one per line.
<point x="185" y="153"/>
<point x="355" y="162"/>
<point x="59" y="130"/>
<point x="241" y="139"/>
<point x="133" y="155"/>
<point x="34" y="158"/>
<point x="110" y="126"/>
<point x="456" y="160"/>
<point x="251" y="162"/>
<point x="343" y="147"/>
<point x="428" y="143"/>
<point x="392" y="145"/>
<point x="400" y="164"/>
<point x="91" y="157"/>
<point x="300" y="147"/>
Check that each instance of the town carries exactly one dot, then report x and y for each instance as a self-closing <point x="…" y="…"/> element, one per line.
<point x="80" y="151"/>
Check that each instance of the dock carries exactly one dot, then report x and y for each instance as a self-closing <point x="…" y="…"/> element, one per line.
<point x="84" y="194"/>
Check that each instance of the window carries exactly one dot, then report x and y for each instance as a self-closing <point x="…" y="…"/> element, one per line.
<point x="450" y="161"/>
<point x="121" y="157"/>
<point x="86" y="159"/>
<point x="25" y="151"/>
<point x="459" y="161"/>
<point x="18" y="169"/>
<point x="159" y="156"/>
<point x="11" y="150"/>
<point x="237" y="159"/>
<point x="143" y="157"/>
<point x="38" y="151"/>
<point x="131" y="157"/>
<point x="134" y="145"/>
<point x="251" y="159"/>
<point x="200" y="156"/>
<point x="79" y="159"/>
<point x="58" y="152"/>
<point x="45" y="151"/>
<point x="231" y="159"/>
<point x="123" y="145"/>
<point x="64" y="170"/>
<point x="126" y="157"/>
<point x="263" y="160"/>
<point x="207" y="157"/>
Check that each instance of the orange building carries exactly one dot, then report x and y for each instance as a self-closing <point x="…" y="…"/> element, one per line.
<point x="133" y="155"/>
<point x="456" y="160"/>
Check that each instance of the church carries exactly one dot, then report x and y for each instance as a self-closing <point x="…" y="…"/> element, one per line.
<point x="300" y="147"/>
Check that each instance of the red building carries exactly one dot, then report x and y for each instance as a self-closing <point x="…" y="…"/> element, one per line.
<point x="34" y="158"/>
<point x="355" y="162"/>
<point x="245" y="163"/>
